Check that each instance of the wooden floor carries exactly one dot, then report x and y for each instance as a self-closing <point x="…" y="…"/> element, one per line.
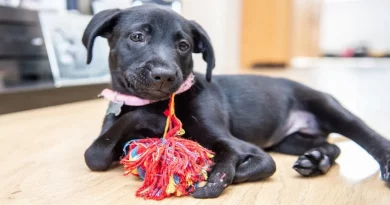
<point x="41" y="154"/>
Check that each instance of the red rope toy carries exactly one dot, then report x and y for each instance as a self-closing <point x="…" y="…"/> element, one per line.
<point x="170" y="165"/>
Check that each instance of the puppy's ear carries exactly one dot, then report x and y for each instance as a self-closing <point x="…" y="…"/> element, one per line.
<point x="202" y="44"/>
<point x="101" y="24"/>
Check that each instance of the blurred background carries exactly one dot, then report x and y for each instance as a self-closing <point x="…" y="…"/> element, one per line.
<point x="319" y="42"/>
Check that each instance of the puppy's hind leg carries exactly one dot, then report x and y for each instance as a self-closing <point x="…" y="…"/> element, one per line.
<point x="316" y="154"/>
<point x="335" y="118"/>
<point x="317" y="160"/>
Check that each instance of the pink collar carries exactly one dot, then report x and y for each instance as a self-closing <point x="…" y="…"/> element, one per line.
<point x="131" y="100"/>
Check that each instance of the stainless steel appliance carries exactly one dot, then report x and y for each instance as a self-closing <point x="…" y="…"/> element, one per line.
<point x="42" y="60"/>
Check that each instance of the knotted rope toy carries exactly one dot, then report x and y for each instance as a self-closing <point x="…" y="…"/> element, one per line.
<point x="170" y="165"/>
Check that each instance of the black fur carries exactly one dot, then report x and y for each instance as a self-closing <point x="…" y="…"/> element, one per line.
<point x="235" y="116"/>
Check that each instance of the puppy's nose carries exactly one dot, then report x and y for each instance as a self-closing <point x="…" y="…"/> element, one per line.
<point x="164" y="76"/>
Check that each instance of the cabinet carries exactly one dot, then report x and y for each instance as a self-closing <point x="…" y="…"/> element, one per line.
<point x="274" y="31"/>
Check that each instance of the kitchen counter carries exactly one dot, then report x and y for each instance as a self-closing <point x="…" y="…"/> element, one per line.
<point x="27" y="99"/>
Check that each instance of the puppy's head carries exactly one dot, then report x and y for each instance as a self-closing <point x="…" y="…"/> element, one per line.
<point x="150" y="49"/>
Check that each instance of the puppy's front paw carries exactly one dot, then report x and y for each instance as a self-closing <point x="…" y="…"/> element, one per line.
<point x="98" y="158"/>
<point x="221" y="177"/>
<point x="385" y="171"/>
<point x="312" y="163"/>
<point x="210" y="190"/>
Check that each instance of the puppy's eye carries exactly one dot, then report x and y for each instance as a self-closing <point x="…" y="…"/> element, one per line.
<point x="137" y="37"/>
<point x="183" y="46"/>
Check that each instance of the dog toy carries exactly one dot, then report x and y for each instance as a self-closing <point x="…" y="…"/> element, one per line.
<point x="170" y="165"/>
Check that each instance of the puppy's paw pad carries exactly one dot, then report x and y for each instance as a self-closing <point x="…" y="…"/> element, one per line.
<point x="312" y="163"/>
<point x="386" y="173"/>
<point x="210" y="190"/>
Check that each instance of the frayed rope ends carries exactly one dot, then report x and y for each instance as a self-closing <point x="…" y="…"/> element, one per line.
<point x="170" y="165"/>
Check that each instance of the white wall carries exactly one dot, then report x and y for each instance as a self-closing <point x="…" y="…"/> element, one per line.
<point x="347" y="22"/>
<point x="221" y="19"/>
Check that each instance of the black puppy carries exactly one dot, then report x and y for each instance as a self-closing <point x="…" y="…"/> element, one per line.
<point x="238" y="117"/>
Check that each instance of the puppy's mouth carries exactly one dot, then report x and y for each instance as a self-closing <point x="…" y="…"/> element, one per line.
<point x="150" y="95"/>
<point x="157" y="94"/>
<point x="148" y="92"/>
